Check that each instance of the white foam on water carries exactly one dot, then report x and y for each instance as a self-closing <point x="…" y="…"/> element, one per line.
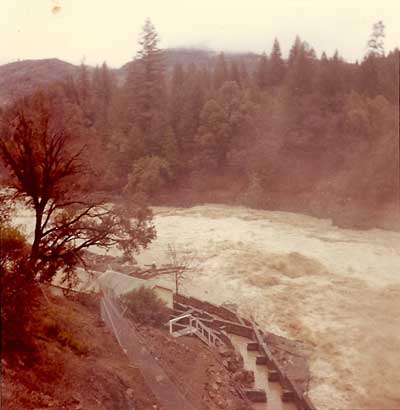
<point x="336" y="289"/>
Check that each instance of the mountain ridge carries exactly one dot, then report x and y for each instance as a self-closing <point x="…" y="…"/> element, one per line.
<point x="21" y="78"/>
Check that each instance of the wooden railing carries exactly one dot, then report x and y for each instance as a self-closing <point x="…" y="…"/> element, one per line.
<point x="193" y="326"/>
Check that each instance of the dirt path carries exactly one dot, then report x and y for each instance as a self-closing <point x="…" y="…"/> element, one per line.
<point x="166" y="392"/>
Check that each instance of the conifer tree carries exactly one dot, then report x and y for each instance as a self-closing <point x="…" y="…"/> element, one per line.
<point x="276" y="66"/>
<point x="145" y="94"/>
<point x="150" y="87"/>
<point x="234" y="74"/>
<point x="301" y="69"/>
<point x="261" y="73"/>
<point x="330" y="79"/>
<point x="294" y="51"/>
<point x="84" y="88"/>
<point x="369" y="75"/>
<point x="221" y="73"/>
<point x="103" y="89"/>
<point x="376" y="41"/>
<point x="244" y="74"/>
<point x="176" y="97"/>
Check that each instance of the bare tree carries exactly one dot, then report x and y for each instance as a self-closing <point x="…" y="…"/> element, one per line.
<point x="46" y="169"/>
<point x="182" y="262"/>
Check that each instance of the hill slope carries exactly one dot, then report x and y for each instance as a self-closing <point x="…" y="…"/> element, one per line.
<point x="76" y="364"/>
<point x="21" y="78"/>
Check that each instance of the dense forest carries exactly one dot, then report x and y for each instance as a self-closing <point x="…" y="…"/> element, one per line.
<point x="303" y="134"/>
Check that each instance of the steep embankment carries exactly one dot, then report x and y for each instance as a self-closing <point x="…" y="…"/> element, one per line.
<point x="76" y="364"/>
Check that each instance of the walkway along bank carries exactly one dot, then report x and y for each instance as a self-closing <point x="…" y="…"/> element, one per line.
<point x="273" y="350"/>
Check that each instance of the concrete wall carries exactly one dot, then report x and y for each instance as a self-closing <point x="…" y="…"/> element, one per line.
<point x="220" y="311"/>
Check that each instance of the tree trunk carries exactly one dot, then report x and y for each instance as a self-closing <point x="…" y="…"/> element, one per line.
<point x="34" y="256"/>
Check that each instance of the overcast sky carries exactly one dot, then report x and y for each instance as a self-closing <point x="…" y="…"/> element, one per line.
<point x="98" y="30"/>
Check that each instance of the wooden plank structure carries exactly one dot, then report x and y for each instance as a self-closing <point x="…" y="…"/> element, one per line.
<point x="153" y="271"/>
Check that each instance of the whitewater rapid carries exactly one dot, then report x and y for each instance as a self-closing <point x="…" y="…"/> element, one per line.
<point x="338" y="290"/>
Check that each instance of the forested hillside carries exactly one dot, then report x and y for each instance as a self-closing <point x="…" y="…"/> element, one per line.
<point x="308" y="134"/>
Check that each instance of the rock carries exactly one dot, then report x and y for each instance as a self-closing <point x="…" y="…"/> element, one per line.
<point x="225" y="352"/>
<point x="130" y="394"/>
<point x="256" y="395"/>
<point x="225" y="364"/>
<point x="249" y="377"/>
<point x="244" y="377"/>
<point x="221" y="402"/>
<point x="46" y="400"/>
<point x="237" y="376"/>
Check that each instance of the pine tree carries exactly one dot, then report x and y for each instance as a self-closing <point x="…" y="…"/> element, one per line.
<point x="103" y="89"/>
<point x="84" y="88"/>
<point x="295" y="51"/>
<point x="301" y="69"/>
<point x="261" y="73"/>
<point x="107" y="84"/>
<point x="370" y="67"/>
<point x="330" y="79"/>
<point x="145" y="90"/>
<point x="234" y="74"/>
<point x="194" y="90"/>
<point x="221" y="73"/>
<point x="376" y="41"/>
<point x="244" y="75"/>
<point x="276" y="66"/>
<point x="151" y="91"/>
<point x="389" y="75"/>
<point x="176" y="96"/>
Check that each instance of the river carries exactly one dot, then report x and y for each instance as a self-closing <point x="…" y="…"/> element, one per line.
<point x="338" y="290"/>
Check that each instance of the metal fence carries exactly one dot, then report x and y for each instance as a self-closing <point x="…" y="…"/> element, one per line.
<point x="165" y="387"/>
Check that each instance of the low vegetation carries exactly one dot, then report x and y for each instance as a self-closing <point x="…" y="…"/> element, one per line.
<point x="74" y="363"/>
<point x="145" y="307"/>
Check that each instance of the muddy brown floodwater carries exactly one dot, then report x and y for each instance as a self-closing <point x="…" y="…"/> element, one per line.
<point x="338" y="290"/>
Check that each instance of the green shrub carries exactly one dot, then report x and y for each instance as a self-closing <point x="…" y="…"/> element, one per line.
<point x="63" y="336"/>
<point x="18" y="292"/>
<point x="77" y="346"/>
<point x="145" y="307"/>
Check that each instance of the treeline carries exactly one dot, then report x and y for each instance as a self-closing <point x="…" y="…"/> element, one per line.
<point x="306" y="134"/>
